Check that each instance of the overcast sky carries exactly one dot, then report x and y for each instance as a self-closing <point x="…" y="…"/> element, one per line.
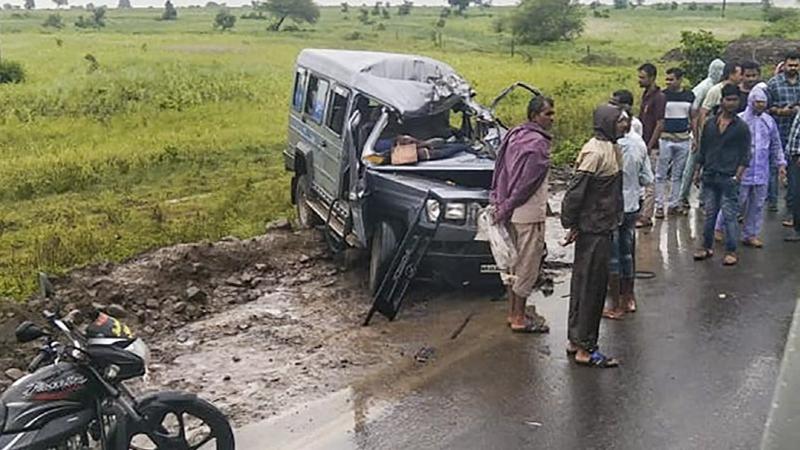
<point x="159" y="3"/>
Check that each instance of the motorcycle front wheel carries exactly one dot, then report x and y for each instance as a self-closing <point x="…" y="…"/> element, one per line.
<point x="183" y="424"/>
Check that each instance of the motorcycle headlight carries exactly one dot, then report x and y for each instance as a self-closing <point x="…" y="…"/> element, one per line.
<point x="455" y="211"/>
<point x="140" y="349"/>
<point x="433" y="209"/>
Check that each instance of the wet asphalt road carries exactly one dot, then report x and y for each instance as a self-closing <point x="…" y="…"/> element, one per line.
<point x="699" y="364"/>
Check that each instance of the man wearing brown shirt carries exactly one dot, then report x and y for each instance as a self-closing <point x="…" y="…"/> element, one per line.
<point x="651" y="115"/>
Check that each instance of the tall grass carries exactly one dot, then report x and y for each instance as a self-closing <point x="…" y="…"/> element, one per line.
<point x="148" y="133"/>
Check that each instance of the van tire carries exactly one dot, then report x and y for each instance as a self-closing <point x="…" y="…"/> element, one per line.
<point x="382" y="249"/>
<point x="306" y="217"/>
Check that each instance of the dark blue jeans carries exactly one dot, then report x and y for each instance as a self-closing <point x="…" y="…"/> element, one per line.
<point x="794" y="189"/>
<point x="722" y="194"/>
<point x="623" y="244"/>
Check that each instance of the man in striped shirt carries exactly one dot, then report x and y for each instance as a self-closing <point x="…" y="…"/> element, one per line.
<point x="675" y="141"/>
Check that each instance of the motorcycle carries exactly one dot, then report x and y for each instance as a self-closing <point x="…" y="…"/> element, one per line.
<point x="74" y="397"/>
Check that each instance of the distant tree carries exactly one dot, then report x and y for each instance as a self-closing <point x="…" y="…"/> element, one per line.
<point x="537" y="21"/>
<point x="224" y="20"/>
<point x="54" y="21"/>
<point x="639" y="2"/>
<point x="30" y="4"/>
<point x="459" y="5"/>
<point x="376" y="10"/>
<point x="405" y="8"/>
<point x="212" y="5"/>
<point x="170" y="13"/>
<point x="692" y="6"/>
<point x="60" y="3"/>
<point x="124" y="4"/>
<point x="97" y="19"/>
<point x="445" y="12"/>
<point x="363" y="15"/>
<point x="297" y="10"/>
<point x="8" y="6"/>
<point x="386" y="14"/>
<point x="673" y="6"/>
<point x="699" y="49"/>
<point x="620" y="4"/>
<point x="345" y="8"/>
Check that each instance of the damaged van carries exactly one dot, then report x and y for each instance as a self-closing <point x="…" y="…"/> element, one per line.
<point x="391" y="154"/>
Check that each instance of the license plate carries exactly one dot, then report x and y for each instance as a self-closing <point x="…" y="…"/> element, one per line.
<point x="490" y="268"/>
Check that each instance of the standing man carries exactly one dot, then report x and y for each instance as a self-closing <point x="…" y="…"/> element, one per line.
<point x="724" y="156"/>
<point x="592" y="210"/>
<point x="636" y="175"/>
<point x="675" y="143"/>
<point x="793" y="154"/>
<point x="765" y="150"/>
<point x="784" y="96"/>
<point x="731" y="74"/>
<point x="751" y="75"/>
<point x="700" y="91"/>
<point x="651" y="114"/>
<point x="519" y="194"/>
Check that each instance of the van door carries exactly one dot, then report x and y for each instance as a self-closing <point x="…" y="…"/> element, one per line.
<point x="325" y="164"/>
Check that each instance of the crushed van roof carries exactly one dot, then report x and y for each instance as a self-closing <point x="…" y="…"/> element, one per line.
<point x="413" y="85"/>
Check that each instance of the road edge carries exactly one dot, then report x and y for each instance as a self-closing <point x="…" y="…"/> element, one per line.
<point x="782" y="430"/>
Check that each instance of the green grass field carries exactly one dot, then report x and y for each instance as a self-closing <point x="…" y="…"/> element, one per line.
<point x="175" y="134"/>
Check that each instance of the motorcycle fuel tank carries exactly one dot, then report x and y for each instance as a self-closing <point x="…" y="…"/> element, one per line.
<point x="48" y="405"/>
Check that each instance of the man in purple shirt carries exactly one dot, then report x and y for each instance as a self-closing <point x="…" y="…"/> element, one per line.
<point x="519" y="195"/>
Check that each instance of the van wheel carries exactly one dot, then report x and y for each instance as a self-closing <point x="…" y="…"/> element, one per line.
<point x="382" y="249"/>
<point x="306" y="216"/>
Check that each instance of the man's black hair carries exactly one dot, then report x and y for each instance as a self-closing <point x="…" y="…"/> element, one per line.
<point x="623" y="96"/>
<point x="649" y="69"/>
<point x="751" y="65"/>
<point x="730" y="69"/>
<point x="730" y="90"/>
<point x="537" y="105"/>
<point x="676" y="71"/>
<point x="792" y="55"/>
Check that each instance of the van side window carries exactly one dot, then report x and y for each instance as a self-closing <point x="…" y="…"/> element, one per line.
<point x="316" y="95"/>
<point x="338" y="110"/>
<point x="299" y="88"/>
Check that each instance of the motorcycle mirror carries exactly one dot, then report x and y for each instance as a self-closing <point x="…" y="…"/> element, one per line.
<point x="46" y="288"/>
<point x="28" y="331"/>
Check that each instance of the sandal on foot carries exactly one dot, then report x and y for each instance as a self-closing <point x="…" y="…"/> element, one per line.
<point x="531" y="318"/>
<point x="599" y="360"/>
<point x="703" y="253"/>
<point x="612" y="314"/>
<point x="730" y="259"/>
<point x="531" y="327"/>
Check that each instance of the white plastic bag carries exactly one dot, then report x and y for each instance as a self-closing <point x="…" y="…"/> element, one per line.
<point x="505" y="255"/>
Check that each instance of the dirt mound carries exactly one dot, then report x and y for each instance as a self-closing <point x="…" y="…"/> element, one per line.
<point x="165" y="289"/>
<point x="766" y="51"/>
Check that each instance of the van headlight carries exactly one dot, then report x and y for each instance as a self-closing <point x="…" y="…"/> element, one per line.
<point x="433" y="209"/>
<point x="455" y="211"/>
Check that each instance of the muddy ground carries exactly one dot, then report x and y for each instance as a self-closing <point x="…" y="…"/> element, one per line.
<point x="257" y="325"/>
<point x="253" y="325"/>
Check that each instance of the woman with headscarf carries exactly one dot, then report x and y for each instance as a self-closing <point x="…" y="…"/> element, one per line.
<point x="592" y="209"/>
<point x="765" y="147"/>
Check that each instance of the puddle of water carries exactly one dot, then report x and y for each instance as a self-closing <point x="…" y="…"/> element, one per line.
<point x="331" y="423"/>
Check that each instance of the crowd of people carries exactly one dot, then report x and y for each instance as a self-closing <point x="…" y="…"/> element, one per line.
<point x="734" y="136"/>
